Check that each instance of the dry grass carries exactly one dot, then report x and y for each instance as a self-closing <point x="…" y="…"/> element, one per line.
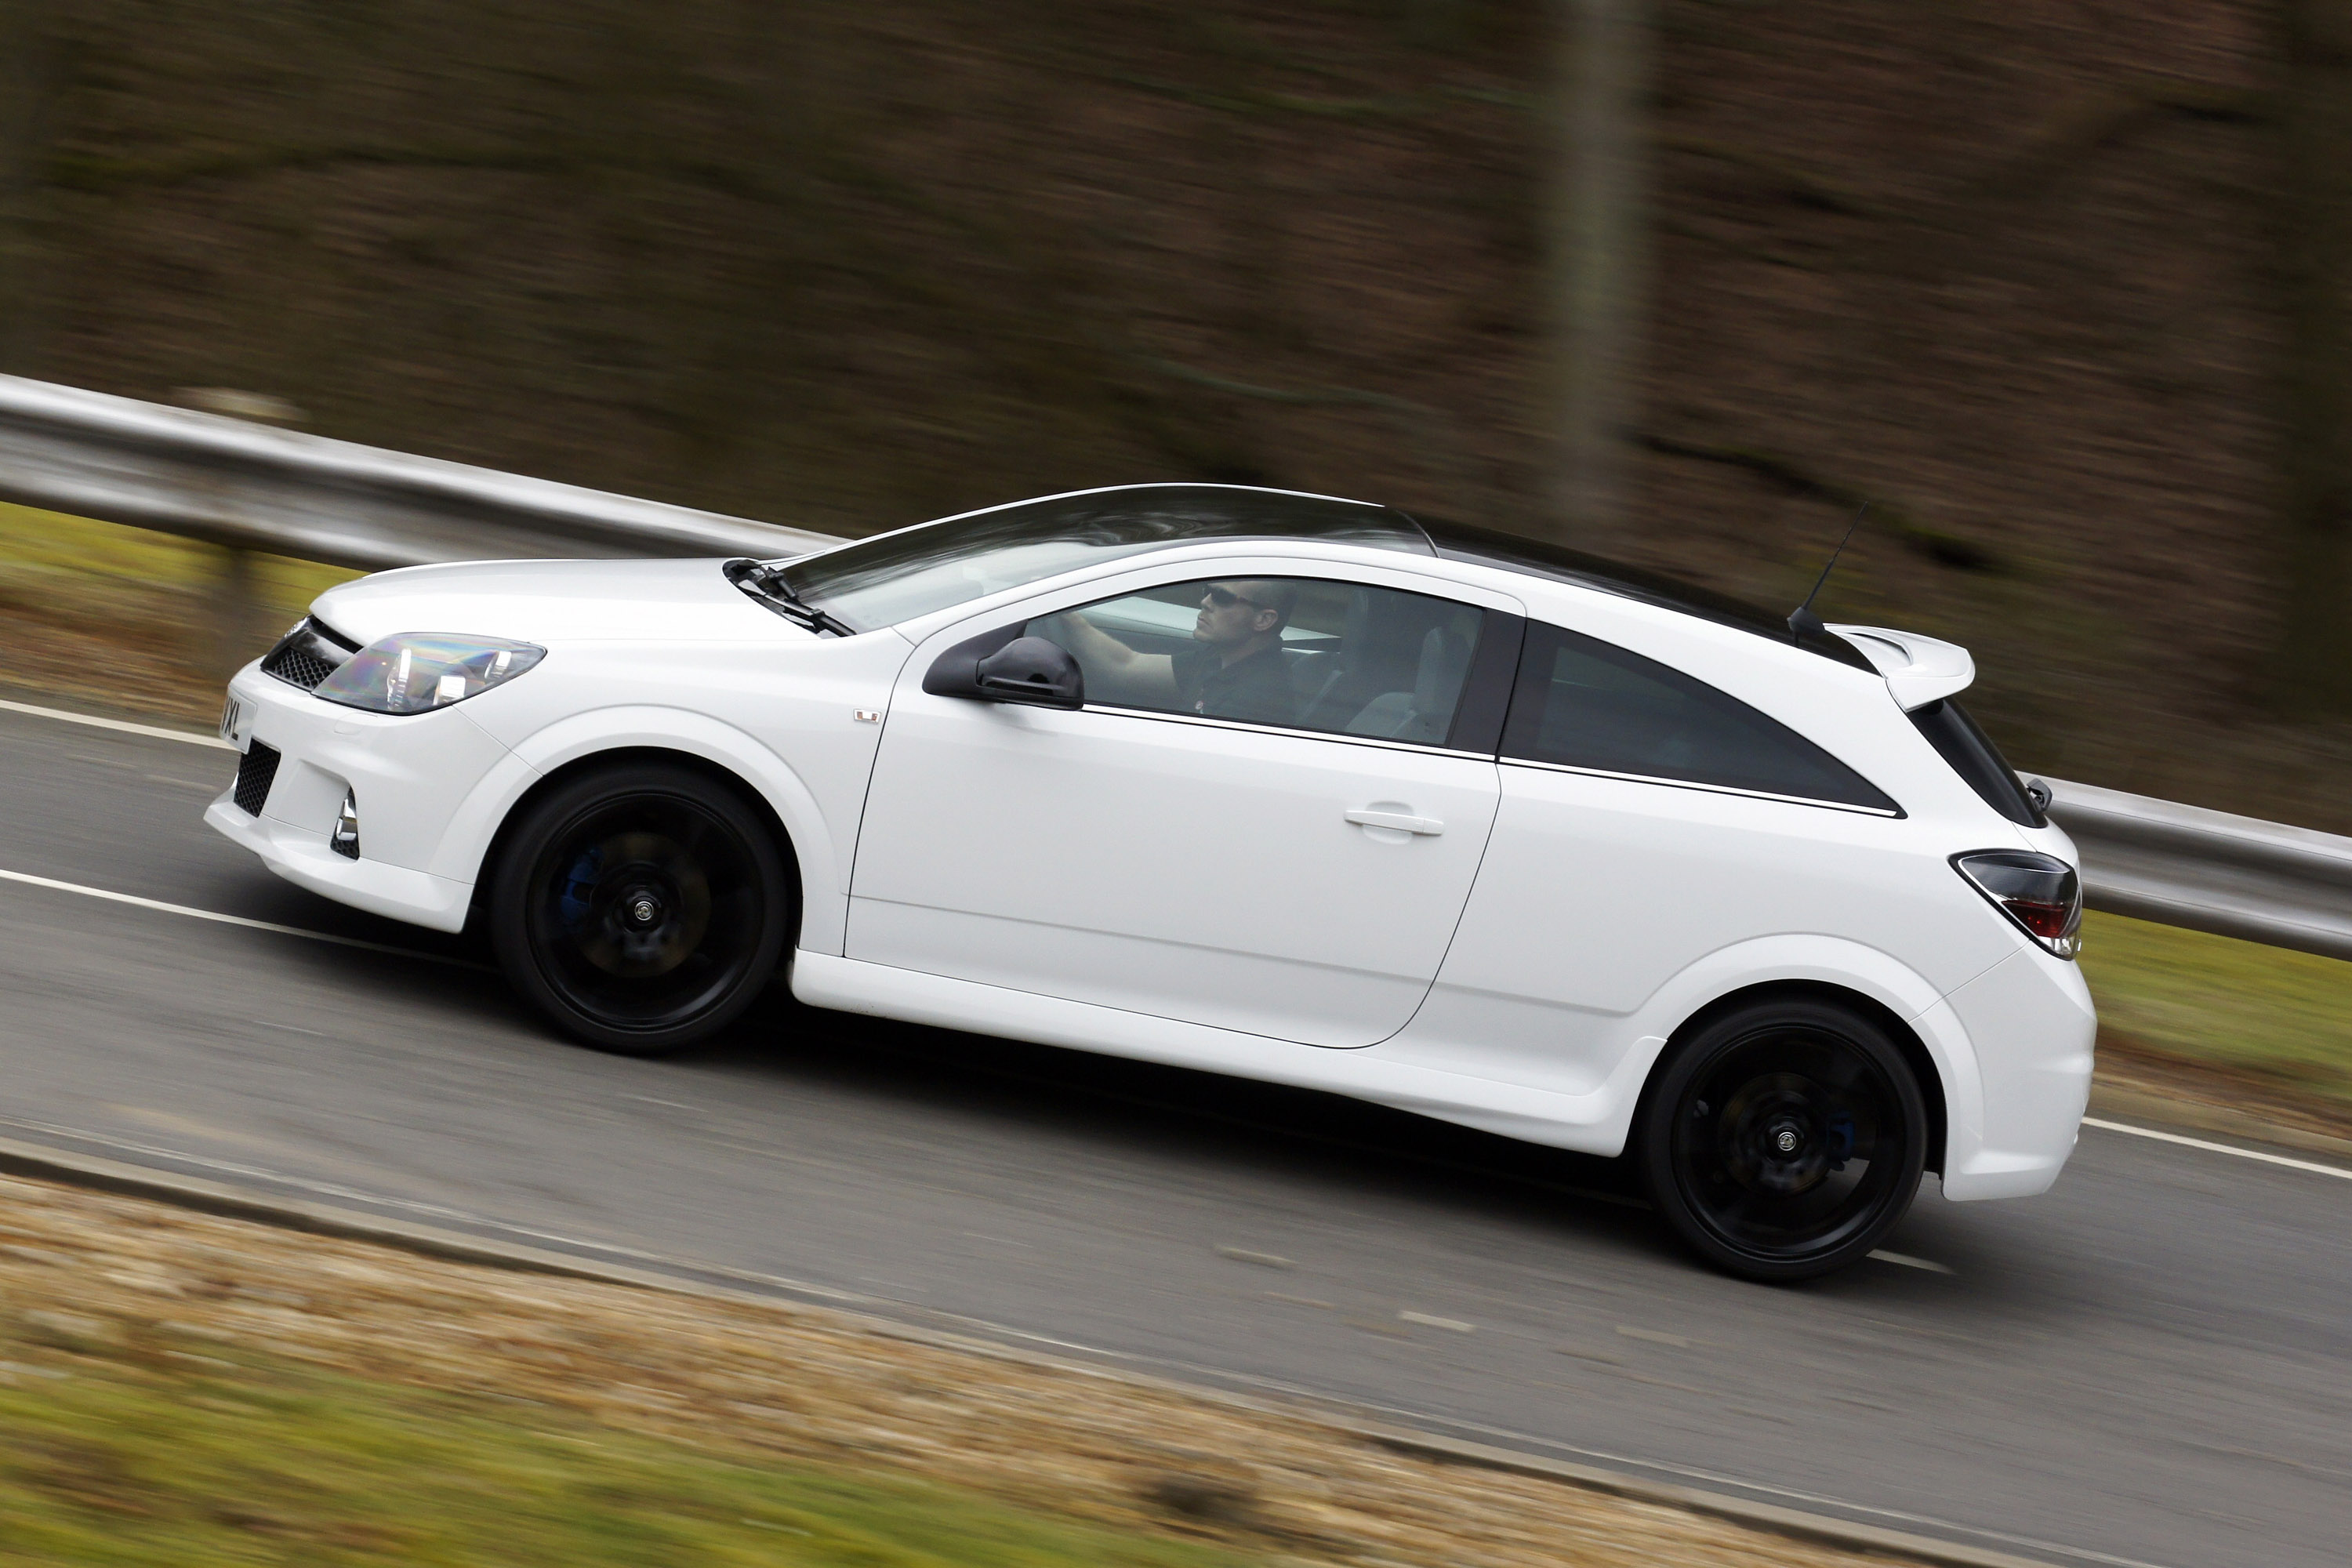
<point x="105" y="1294"/>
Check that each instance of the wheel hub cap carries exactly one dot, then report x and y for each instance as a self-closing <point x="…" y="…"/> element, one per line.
<point x="648" y="910"/>
<point x="1790" y="1140"/>
<point x="1773" y="1141"/>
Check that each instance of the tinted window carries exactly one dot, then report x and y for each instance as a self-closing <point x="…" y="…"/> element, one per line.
<point x="881" y="582"/>
<point x="1303" y="653"/>
<point x="1975" y="759"/>
<point x="1589" y="704"/>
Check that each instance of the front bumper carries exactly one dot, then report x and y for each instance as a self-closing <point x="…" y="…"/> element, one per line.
<point x="302" y="857"/>
<point x="411" y="776"/>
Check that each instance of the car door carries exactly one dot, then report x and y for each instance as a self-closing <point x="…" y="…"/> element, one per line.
<point x="1224" y="854"/>
<point x="1647" y="820"/>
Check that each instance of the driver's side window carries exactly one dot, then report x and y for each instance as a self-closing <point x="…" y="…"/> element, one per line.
<point x="1299" y="652"/>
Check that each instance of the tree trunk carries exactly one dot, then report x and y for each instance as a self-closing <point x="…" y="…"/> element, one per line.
<point x="2314" y="675"/>
<point x="1600" y="258"/>
<point x="28" y="59"/>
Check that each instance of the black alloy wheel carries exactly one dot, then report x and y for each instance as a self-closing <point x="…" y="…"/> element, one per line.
<point x="1784" y="1140"/>
<point x="642" y="907"/>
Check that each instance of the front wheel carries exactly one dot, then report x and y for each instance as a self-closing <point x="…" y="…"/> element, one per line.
<point x="641" y="906"/>
<point x="1784" y="1140"/>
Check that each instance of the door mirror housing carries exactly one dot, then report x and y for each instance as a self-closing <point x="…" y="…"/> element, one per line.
<point x="1032" y="670"/>
<point x="1005" y="667"/>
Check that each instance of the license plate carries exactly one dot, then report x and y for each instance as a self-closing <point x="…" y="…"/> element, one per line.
<point x="232" y="716"/>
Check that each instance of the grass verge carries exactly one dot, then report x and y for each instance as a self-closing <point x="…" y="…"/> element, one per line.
<point x="145" y="1453"/>
<point x="2260" y="1027"/>
<point x="128" y="619"/>
<point x="182" y="1388"/>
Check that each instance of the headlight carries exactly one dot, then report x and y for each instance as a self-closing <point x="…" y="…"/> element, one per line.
<point x="414" y="672"/>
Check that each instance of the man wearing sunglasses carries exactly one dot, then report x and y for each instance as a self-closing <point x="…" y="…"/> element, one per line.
<point x="1234" y="669"/>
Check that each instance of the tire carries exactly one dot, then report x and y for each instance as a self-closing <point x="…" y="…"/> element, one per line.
<point x="642" y="907"/>
<point x="1783" y="1140"/>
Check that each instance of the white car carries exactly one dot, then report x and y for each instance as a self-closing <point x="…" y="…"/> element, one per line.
<point x="1282" y="786"/>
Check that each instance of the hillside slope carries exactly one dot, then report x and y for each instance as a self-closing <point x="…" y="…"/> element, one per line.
<point x="2001" y="270"/>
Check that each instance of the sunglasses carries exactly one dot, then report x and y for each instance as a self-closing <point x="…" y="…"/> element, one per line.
<point x="1225" y="599"/>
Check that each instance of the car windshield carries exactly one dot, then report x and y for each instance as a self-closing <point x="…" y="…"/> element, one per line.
<point x="897" y="577"/>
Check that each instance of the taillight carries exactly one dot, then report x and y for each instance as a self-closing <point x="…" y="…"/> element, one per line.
<point x="2040" y="893"/>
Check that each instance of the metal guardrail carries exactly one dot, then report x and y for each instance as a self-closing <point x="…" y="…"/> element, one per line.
<point x="255" y="488"/>
<point x="252" y="487"/>
<point x="2210" y="871"/>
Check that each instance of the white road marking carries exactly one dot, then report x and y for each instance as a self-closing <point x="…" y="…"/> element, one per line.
<point x="194" y="914"/>
<point x="1907" y="1261"/>
<point x="1654" y="1336"/>
<point x="1453" y="1325"/>
<point x="1263" y="1259"/>
<point x="157" y="731"/>
<point x="2312" y="1166"/>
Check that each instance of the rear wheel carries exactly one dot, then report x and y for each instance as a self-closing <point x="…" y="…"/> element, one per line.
<point x="1784" y="1140"/>
<point x="642" y="907"/>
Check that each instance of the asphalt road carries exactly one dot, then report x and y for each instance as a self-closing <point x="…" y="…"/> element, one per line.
<point x="2151" y="1365"/>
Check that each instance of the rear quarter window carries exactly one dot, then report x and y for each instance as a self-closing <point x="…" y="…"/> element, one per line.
<point x="1584" y="703"/>
<point x="1970" y="751"/>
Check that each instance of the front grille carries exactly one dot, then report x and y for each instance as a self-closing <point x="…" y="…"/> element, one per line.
<point x="254" y="774"/>
<point x="308" y="654"/>
<point x="299" y="667"/>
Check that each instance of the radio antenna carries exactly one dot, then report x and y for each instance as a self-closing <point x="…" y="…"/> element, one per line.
<point x="1802" y="620"/>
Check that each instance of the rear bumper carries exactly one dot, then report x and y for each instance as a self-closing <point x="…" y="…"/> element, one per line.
<point x="2030" y="1027"/>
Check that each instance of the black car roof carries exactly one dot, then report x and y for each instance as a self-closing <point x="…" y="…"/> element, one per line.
<point x="1244" y="511"/>
<point x="1541" y="558"/>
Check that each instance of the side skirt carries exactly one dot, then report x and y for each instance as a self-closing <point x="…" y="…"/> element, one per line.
<point x="1591" y="1123"/>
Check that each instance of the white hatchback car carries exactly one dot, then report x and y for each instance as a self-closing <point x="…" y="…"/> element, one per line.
<point x="1281" y="785"/>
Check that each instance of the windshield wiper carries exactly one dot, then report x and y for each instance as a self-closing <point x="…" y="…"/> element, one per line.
<point x="767" y="585"/>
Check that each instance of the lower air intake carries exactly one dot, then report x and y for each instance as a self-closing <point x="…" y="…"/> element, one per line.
<point x="254" y="774"/>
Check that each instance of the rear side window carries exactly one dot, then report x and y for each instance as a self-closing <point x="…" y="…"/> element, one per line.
<point x="1583" y="703"/>
<point x="1975" y="759"/>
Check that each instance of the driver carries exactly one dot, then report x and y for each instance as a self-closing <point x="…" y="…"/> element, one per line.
<point x="1234" y="669"/>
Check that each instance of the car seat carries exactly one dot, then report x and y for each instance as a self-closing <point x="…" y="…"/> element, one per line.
<point x="1427" y="711"/>
<point x="1399" y="664"/>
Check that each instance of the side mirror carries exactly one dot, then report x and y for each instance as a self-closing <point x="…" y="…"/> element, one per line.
<point x="1032" y="670"/>
<point x="1004" y="667"/>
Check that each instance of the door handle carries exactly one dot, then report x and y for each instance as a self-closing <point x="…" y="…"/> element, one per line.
<point x="1397" y="820"/>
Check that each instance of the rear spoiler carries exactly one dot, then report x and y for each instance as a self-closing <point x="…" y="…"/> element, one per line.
<point x="1918" y="670"/>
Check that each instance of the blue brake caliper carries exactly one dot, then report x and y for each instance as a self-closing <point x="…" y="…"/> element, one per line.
<point x="1840" y="1141"/>
<point x="572" y="903"/>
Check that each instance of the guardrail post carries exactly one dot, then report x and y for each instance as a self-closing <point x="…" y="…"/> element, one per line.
<point x="240" y="627"/>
